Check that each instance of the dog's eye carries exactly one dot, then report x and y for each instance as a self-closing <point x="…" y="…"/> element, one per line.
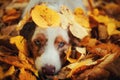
<point x="61" y="44"/>
<point x="37" y="42"/>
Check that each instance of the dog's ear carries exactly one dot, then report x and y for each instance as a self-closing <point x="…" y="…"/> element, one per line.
<point x="28" y="30"/>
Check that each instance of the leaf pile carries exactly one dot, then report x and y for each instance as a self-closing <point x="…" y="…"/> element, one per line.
<point x="94" y="53"/>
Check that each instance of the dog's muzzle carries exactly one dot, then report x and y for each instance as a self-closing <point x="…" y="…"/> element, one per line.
<point x="48" y="70"/>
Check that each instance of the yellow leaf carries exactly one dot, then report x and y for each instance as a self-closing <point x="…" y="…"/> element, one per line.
<point x="20" y="43"/>
<point x="81" y="18"/>
<point x="68" y="53"/>
<point x="75" y="66"/>
<point x="22" y="22"/>
<point x="78" y="11"/>
<point x="110" y="28"/>
<point x="44" y="16"/>
<point x="10" y="71"/>
<point x="25" y="75"/>
<point x="111" y="23"/>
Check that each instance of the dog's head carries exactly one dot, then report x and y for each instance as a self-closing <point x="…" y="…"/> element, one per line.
<point x="48" y="46"/>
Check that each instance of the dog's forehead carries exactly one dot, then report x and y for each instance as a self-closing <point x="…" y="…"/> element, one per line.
<point x="52" y="32"/>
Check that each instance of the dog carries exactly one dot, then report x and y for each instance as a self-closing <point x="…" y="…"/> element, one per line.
<point x="48" y="45"/>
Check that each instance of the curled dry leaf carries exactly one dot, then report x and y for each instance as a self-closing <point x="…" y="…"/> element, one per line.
<point x="68" y="54"/>
<point x="78" y="31"/>
<point x="82" y="52"/>
<point x="44" y="16"/>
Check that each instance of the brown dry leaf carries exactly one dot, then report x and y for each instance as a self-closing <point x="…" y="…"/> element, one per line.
<point x="11" y="11"/>
<point x="109" y="66"/>
<point x="25" y="75"/>
<point x="104" y="49"/>
<point x="11" y="15"/>
<point x="44" y="16"/>
<point x="89" y="42"/>
<point x="7" y="31"/>
<point x="15" y="61"/>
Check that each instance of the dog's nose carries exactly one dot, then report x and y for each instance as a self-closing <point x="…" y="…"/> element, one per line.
<point x="48" y="70"/>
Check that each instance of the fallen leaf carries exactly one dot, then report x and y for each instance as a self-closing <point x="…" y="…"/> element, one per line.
<point x="25" y="75"/>
<point x="15" y="61"/>
<point x="9" y="72"/>
<point x="78" y="31"/>
<point x="11" y="15"/>
<point x="68" y="54"/>
<point x="20" y="43"/>
<point x="81" y="18"/>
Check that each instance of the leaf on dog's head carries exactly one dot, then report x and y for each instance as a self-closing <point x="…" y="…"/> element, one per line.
<point x="44" y="16"/>
<point x="78" y="31"/>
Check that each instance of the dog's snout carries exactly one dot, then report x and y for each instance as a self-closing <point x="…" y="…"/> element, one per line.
<point x="48" y="70"/>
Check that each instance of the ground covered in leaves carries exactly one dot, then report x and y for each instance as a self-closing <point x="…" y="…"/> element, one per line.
<point x="94" y="55"/>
